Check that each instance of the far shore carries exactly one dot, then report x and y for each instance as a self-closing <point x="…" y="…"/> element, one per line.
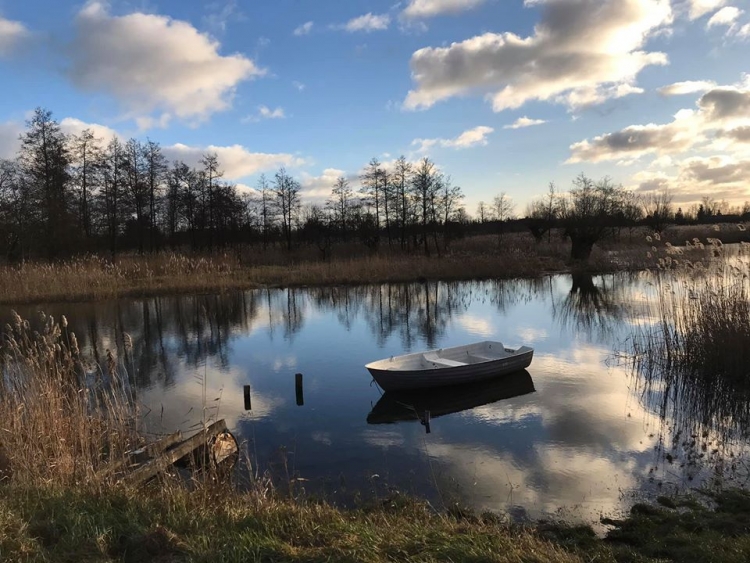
<point x="517" y="255"/>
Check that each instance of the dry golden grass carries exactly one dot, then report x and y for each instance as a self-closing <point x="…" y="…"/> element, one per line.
<point x="61" y="420"/>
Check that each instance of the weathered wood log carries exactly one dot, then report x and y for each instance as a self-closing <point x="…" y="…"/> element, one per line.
<point x="139" y="456"/>
<point x="163" y="461"/>
<point x="223" y="448"/>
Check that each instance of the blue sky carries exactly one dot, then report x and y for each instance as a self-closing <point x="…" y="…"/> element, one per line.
<point x="504" y="95"/>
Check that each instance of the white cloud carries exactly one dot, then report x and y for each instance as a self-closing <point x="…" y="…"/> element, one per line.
<point x="304" y="29"/>
<point x="298" y="85"/>
<point x="319" y="187"/>
<point x="470" y="138"/>
<point x="367" y="23"/>
<point x="687" y="87"/>
<point x="636" y="141"/>
<point x="152" y="63"/>
<point x="726" y="17"/>
<point x="522" y="122"/>
<point x="74" y="126"/>
<point x="11" y="34"/>
<point x="582" y="52"/>
<point x="722" y="176"/>
<point x="721" y="110"/>
<point x="9" y="143"/>
<point x="264" y="112"/>
<point x="432" y="8"/>
<point x="699" y="8"/>
<point x="236" y="160"/>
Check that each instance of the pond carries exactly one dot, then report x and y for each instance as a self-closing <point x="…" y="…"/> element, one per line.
<point x="577" y="435"/>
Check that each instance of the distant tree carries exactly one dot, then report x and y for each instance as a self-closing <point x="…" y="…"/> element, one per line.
<point x="45" y="161"/>
<point x="424" y="185"/>
<point x="156" y="172"/>
<point x="112" y="195"/>
<point x="657" y="207"/>
<point x="541" y="214"/>
<point x="450" y="197"/>
<point x="265" y="208"/>
<point x="86" y="160"/>
<point x="372" y="188"/>
<point x="286" y="189"/>
<point x="588" y="213"/>
<point x="211" y="173"/>
<point x="341" y="204"/>
<point x="632" y="211"/>
<point x="502" y="210"/>
<point x="401" y="180"/>
<point x="137" y="187"/>
<point x="482" y="212"/>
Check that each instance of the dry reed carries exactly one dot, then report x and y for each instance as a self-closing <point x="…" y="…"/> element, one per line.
<point x="62" y="421"/>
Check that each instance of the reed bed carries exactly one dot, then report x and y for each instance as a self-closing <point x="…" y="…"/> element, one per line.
<point x="61" y="421"/>
<point x="697" y="356"/>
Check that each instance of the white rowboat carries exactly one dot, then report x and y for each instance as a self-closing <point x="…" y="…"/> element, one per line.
<point x="449" y="366"/>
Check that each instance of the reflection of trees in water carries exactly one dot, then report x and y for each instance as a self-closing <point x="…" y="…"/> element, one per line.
<point x="591" y="308"/>
<point x="413" y="311"/>
<point x="163" y="330"/>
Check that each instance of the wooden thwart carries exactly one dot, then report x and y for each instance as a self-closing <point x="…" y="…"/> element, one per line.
<point x="172" y="452"/>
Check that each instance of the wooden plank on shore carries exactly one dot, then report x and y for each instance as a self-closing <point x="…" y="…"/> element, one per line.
<point x="140" y="455"/>
<point x="158" y="464"/>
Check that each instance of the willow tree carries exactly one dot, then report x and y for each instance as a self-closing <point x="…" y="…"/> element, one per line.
<point x="588" y="213"/>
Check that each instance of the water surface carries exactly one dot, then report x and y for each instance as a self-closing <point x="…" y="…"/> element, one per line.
<point x="577" y="435"/>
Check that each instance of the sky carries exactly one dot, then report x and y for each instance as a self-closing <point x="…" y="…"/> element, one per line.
<point x="504" y="95"/>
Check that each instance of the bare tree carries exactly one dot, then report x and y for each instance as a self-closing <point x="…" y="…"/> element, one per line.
<point x="657" y="207"/>
<point x="86" y="160"/>
<point x="156" y="170"/>
<point x="401" y="180"/>
<point x="341" y="204"/>
<point x="502" y="210"/>
<point x="286" y="190"/>
<point x="588" y="213"/>
<point x="423" y="188"/>
<point x="482" y="211"/>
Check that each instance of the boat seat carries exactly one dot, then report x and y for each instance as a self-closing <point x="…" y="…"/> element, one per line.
<point x="442" y="362"/>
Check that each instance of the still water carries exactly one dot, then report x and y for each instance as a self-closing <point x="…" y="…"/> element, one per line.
<point x="577" y="435"/>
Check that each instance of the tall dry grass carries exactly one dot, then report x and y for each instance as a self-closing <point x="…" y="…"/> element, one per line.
<point x="62" y="421"/>
<point x="696" y="355"/>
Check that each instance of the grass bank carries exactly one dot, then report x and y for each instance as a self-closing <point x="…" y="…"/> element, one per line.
<point x="214" y="523"/>
<point x="481" y="257"/>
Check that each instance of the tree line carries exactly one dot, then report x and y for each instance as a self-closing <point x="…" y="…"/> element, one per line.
<point x="68" y="194"/>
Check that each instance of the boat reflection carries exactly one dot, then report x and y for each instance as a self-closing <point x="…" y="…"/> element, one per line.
<point x="405" y="406"/>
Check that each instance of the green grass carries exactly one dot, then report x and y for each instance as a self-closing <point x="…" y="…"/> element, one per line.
<point x="69" y="525"/>
<point x="214" y="523"/>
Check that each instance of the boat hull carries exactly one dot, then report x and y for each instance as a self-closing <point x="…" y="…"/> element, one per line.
<point x="396" y="380"/>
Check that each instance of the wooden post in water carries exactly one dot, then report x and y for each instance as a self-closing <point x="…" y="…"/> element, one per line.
<point x="298" y="389"/>
<point x="248" y="405"/>
<point x="426" y="421"/>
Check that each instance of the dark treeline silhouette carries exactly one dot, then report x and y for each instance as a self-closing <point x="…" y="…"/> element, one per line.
<point x="69" y="194"/>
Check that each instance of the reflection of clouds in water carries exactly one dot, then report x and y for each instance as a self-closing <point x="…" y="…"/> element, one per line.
<point x="322" y="437"/>
<point x="553" y="479"/>
<point x="287" y="362"/>
<point x="382" y="438"/>
<point x="474" y="324"/>
<point x="180" y="406"/>
<point x="585" y="456"/>
<point x="528" y="335"/>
